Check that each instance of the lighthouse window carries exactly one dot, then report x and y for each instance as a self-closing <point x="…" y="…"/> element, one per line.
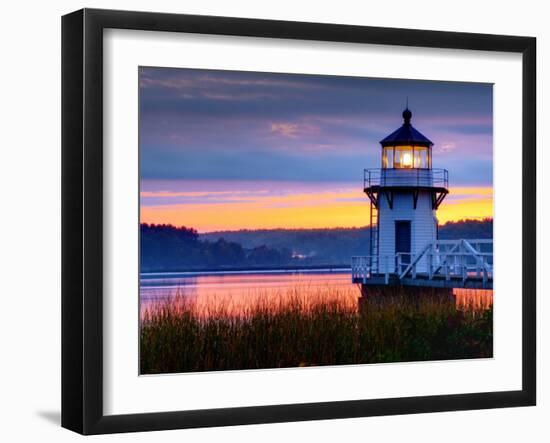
<point x="421" y="159"/>
<point x="417" y="157"/>
<point x="406" y="157"/>
<point x="387" y="157"/>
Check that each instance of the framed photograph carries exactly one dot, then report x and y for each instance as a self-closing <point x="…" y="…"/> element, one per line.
<point x="269" y="221"/>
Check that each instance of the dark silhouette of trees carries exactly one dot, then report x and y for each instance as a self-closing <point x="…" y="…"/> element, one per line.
<point x="467" y="229"/>
<point x="166" y="247"/>
<point x="170" y="248"/>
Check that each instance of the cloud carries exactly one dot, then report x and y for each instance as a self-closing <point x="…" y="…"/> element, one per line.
<point x="284" y="129"/>
<point x="267" y="80"/>
<point x="293" y="130"/>
<point x="447" y="146"/>
<point x="229" y="125"/>
<point x="238" y="97"/>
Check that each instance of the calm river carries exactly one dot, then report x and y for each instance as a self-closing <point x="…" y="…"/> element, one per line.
<point x="235" y="291"/>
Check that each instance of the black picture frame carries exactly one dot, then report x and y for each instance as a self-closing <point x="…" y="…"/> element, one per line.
<point x="82" y="218"/>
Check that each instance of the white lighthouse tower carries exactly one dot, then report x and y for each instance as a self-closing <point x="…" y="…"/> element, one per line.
<point x="404" y="194"/>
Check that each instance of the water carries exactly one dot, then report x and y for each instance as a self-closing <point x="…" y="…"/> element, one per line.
<point x="235" y="292"/>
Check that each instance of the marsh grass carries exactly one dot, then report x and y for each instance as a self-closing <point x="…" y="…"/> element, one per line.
<point x="309" y="328"/>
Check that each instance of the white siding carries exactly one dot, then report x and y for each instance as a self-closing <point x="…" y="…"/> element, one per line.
<point x="423" y="226"/>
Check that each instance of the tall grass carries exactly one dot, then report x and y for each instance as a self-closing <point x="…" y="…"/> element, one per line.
<point x="324" y="328"/>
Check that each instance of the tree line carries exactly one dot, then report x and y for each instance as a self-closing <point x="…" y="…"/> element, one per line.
<point x="165" y="247"/>
<point x="169" y="248"/>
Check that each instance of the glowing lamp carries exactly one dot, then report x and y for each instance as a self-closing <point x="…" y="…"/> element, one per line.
<point x="407" y="160"/>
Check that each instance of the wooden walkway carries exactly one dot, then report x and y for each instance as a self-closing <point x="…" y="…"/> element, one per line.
<point x="441" y="264"/>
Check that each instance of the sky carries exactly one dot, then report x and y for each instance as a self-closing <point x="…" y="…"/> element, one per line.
<point x="229" y="150"/>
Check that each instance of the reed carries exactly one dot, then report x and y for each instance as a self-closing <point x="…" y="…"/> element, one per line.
<point x="309" y="328"/>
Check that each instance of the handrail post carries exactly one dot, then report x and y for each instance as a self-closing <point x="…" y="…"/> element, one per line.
<point x="455" y="264"/>
<point x="430" y="262"/>
<point x="398" y="263"/>
<point x="465" y="265"/>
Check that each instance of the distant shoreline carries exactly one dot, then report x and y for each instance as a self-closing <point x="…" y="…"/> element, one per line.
<point x="264" y="270"/>
<point x="165" y="248"/>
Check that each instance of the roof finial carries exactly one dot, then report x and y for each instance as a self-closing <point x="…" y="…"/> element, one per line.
<point x="406" y="113"/>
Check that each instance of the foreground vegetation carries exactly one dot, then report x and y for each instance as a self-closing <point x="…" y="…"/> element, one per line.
<point x="180" y="336"/>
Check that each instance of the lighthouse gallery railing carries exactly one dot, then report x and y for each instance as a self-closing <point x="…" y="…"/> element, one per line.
<point x="443" y="259"/>
<point x="400" y="177"/>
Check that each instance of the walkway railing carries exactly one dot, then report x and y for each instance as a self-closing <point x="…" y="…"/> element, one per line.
<point x="442" y="259"/>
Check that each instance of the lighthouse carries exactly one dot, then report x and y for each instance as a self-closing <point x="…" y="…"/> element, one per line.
<point x="405" y="193"/>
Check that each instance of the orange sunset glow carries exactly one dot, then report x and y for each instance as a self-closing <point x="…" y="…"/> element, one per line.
<point x="345" y="208"/>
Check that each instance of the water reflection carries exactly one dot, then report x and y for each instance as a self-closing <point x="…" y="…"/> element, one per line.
<point x="239" y="293"/>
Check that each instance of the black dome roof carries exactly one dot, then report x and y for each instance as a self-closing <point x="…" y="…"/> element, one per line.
<point x="406" y="134"/>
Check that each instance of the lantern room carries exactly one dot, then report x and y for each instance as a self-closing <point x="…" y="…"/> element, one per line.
<point x="406" y="148"/>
